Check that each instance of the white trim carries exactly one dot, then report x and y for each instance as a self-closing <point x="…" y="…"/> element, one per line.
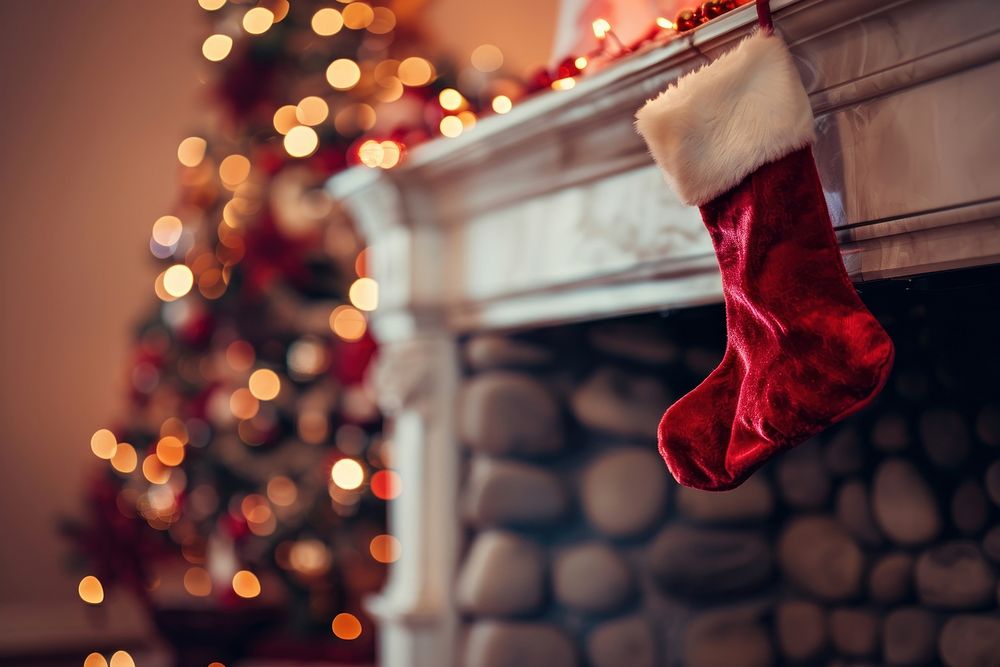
<point x="718" y="124"/>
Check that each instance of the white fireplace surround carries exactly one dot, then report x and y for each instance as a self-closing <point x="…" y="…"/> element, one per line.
<point x="555" y="213"/>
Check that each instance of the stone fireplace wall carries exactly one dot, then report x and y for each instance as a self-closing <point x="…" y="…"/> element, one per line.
<point x="876" y="543"/>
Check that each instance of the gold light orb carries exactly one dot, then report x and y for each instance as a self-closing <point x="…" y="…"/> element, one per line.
<point x="258" y="20"/>
<point x="95" y="660"/>
<point x="343" y="74"/>
<point x="501" y="104"/>
<point x="264" y="384"/>
<point x="301" y="141"/>
<point x="167" y="230"/>
<point x="211" y="5"/>
<point x="285" y="118"/>
<point x="217" y="47"/>
<point x="346" y="626"/>
<point x="363" y="292"/>
<point x="450" y="99"/>
<point x="178" y="280"/>
<point x="348" y="323"/>
<point x="90" y="589"/>
<point x="191" y="151"/>
<point x="487" y="58"/>
<point x="125" y="459"/>
<point x="121" y="659"/>
<point x="358" y="15"/>
<point x="103" y="443"/>
<point x="347" y="474"/>
<point x="384" y="548"/>
<point x="415" y="71"/>
<point x="451" y="126"/>
<point x="327" y="21"/>
<point x="246" y="584"/>
<point x="312" y="110"/>
<point x="234" y="170"/>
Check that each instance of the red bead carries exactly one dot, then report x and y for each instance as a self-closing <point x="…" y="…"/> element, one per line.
<point x="711" y="9"/>
<point x="686" y="20"/>
<point x="567" y="68"/>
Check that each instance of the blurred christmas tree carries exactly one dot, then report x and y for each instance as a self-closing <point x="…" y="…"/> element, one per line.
<point x="248" y="480"/>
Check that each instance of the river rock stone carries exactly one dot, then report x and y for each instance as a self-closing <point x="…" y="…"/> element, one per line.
<point x="591" y="578"/>
<point x="909" y="636"/>
<point x="705" y="563"/>
<point x="819" y="557"/>
<point x="891" y="578"/>
<point x="503" y="575"/>
<point x="890" y="433"/>
<point x="510" y="413"/>
<point x="503" y="644"/>
<point x="635" y="342"/>
<point x="802" y="478"/>
<point x="624" y="491"/>
<point x="801" y="629"/>
<point x="626" y="641"/>
<point x="988" y="424"/>
<point x="490" y="351"/>
<point x="621" y="403"/>
<point x="854" y="512"/>
<point x="955" y="576"/>
<point x="512" y="493"/>
<point x="721" y="638"/>
<point x="750" y="501"/>
<point x="843" y="454"/>
<point x="971" y="641"/>
<point x="855" y="632"/>
<point x="945" y="437"/>
<point x="991" y="544"/>
<point x="970" y="510"/>
<point x="992" y="479"/>
<point x="904" y="505"/>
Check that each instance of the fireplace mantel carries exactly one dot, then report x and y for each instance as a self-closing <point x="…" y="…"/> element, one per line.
<point x="555" y="213"/>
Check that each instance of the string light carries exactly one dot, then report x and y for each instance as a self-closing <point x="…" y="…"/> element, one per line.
<point x="601" y="28"/>
<point x="564" y="83"/>
<point x="346" y="626"/>
<point x="178" y="280"/>
<point x="665" y="23"/>
<point x="327" y="21"/>
<point x="258" y="20"/>
<point x="154" y="471"/>
<point x="347" y="474"/>
<point x="217" y="47"/>
<point x="451" y="126"/>
<point x="301" y="141"/>
<point x="243" y="404"/>
<point x="90" y="589"/>
<point x="450" y="99"/>
<point x="282" y="491"/>
<point x="581" y="62"/>
<point x="501" y="104"/>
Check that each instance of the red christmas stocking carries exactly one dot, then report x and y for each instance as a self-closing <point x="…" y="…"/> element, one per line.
<point x="803" y="352"/>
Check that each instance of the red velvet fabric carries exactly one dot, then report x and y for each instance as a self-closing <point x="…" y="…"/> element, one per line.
<point x="803" y="352"/>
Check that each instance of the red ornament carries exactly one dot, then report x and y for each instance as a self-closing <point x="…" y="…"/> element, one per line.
<point x="711" y="9"/>
<point x="686" y="20"/>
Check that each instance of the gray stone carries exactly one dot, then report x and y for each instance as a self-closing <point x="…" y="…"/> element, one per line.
<point x="819" y="557"/>
<point x="971" y="641"/>
<point x="624" y="491"/>
<point x="909" y="636"/>
<point x="970" y="510"/>
<point x="904" y="505"/>
<point x="854" y="512"/>
<point x="891" y="578"/>
<point x="843" y="454"/>
<point x="512" y="493"/>
<point x="955" y="576"/>
<point x="635" y="342"/>
<point x="992" y="480"/>
<point x="945" y="437"/>
<point x="705" y="563"/>
<point x="620" y="403"/>
<point x="802" y="478"/>
<point x="503" y="575"/>
<point x="855" y="632"/>
<point x="719" y="639"/>
<point x="622" y="642"/>
<point x="890" y="433"/>
<point x="991" y="544"/>
<point x="509" y="413"/>
<point x="750" y="501"/>
<point x="591" y="578"/>
<point x="502" y="644"/>
<point x="801" y="629"/>
<point x="490" y="351"/>
<point x="988" y="424"/>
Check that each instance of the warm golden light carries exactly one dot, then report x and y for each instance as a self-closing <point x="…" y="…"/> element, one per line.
<point x="310" y="557"/>
<point x="216" y="664"/>
<point x="167" y="230"/>
<point x="264" y="384"/>
<point x="450" y="99"/>
<point x="346" y="626"/>
<point x="347" y="474"/>
<point x="563" y="84"/>
<point x="233" y="170"/>
<point x="666" y="24"/>
<point x="211" y="5"/>
<point x="415" y="71"/>
<point x="197" y="582"/>
<point x="348" y="323"/>
<point x="121" y="659"/>
<point x="240" y="355"/>
<point x="258" y="20"/>
<point x="384" y="548"/>
<point x="358" y="16"/>
<point x="364" y="294"/>
<point x="502" y="104"/>
<point x="392" y="153"/>
<point x="468" y="119"/>
<point x="312" y="110"/>
<point x="282" y="491"/>
<point x="178" y="280"/>
<point x="301" y="141"/>
<point x="246" y="584"/>
<point x="451" y="126"/>
<point x="370" y="153"/>
<point x="386" y="484"/>
<point x="217" y="47"/>
<point x="601" y="28"/>
<point x="487" y="58"/>
<point x="170" y="451"/>
<point x="191" y="151"/>
<point x="95" y="660"/>
<point x="243" y="405"/>
<point x="285" y="118"/>
<point x="125" y="459"/>
<point x="327" y="21"/>
<point x="103" y="443"/>
<point x="154" y="471"/>
<point x="91" y="591"/>
<point x="581" y="62"/>
<point x="383" y="21"/>
<point x="343" y="74"/>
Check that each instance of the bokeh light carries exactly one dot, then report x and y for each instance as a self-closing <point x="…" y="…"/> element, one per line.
<point x="264" y="384"/>
<point x="282" y="491"/>
<point x="343" y="74"/>
<point x="383" y="21"/>
<point x="258" y="20"/>
<point x="358" y="15"/>
<point x="90" y="589"/>
<point x="348" y="323"/>
<point x="346" y="626"/>
<point x="170" y="451"/>
<point x="347" y="474"/>
<point x="125" y="459"/>
<point x="451" y="126"/>
<point x="95" y="660"/>
<point x="211" y="5"/>
<point x="178" y="280"/>
<point x="198" y="582"/>
<point x="487" y="58"/>
<point x="154" y="471"/>
<point x="191" y="151"/>
<point x="384" y="548"/>
<point x="415" y="71"/>
<point x="121" y="659"/>
<point x="386" y="484"/>
<point x="364" y="294"/>
<point x="285" y="118"/>
<point x="301" y="141"/>
<point x="217" y="47"/>
<point x="312" y="110"/>
<point x="103" y="443"/>
<point x="327" y="21"/>
<point x="167" y="230"/>
<point x="450" y="99"/>
<point x="502" y="104"/>
<point x="243" y="405"/>
<point x="246" y="584"/>
<point x="234" y="170"/>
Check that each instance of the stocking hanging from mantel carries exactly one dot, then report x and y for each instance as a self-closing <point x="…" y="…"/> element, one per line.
<point x="803" y="352"/>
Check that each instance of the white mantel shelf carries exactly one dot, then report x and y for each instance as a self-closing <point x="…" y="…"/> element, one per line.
<point x="555" y="213"/>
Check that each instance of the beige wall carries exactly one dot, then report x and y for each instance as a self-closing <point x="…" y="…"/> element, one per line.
<point x="95" y="96"/>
